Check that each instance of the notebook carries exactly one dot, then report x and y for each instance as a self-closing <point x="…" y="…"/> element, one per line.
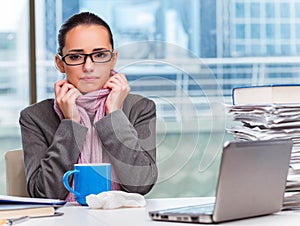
<point x="252" y="179"/>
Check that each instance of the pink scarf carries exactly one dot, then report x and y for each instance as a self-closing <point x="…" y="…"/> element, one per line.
<point x="89" y="105"/>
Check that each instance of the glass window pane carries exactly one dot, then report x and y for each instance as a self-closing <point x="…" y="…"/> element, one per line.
<point x="271" y="50"/>
<point x="285" y="49"/>
<point x="255" y="10"/>
<point x="255" y="31"/>
<point x="297" y="9"/>
<point x="239" y="10"/>
<point x="240" y="49"/>
<point x="13" y="75"/>
<point x="270" y="31"/>
<point x="270" y="10"/>
<point x="285" y="31"/>
<point x="284" y="10"/>
<point x="240" y="31"/>
<point x="297" y="29"/>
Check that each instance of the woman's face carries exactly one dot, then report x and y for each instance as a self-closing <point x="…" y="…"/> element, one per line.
<point x="87" y="39"/>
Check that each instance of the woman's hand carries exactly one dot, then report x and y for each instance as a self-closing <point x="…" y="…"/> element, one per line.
<point x="66" y="95"/>
<point x="119" y="91"/>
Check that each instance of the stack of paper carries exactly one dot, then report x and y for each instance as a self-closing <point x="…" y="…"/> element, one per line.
<point x="272" y="121"/>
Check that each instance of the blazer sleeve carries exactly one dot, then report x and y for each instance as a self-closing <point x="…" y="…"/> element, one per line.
<point x="130" y="142"/>
<point x="50" y="149"/>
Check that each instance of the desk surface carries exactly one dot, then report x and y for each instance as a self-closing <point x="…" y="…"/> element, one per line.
<point x="79" y="215"/>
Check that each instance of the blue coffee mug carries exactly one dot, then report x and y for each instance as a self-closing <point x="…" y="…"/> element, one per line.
<point x="88" y="179"/>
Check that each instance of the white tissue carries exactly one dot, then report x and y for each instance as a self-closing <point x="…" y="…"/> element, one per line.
<point x="115" y="199"/>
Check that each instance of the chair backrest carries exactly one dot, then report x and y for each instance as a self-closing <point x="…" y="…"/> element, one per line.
<point x="15" y="173"/>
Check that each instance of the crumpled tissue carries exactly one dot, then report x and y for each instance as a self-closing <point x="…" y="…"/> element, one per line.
<point x="114" y="200"/>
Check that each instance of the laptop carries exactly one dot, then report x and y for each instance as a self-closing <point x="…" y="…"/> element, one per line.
<point x="252" y="179"/>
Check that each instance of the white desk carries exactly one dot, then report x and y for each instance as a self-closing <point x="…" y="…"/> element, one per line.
<point x="84" y="216"/>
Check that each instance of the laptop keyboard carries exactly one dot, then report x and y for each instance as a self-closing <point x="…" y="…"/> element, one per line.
<point x="198" y="209"/>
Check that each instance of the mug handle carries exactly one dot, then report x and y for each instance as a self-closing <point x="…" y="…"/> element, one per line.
<point x="66" y="181"/>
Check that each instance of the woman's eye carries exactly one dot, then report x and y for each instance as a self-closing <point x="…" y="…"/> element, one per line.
<point x="101" y="55"/>
<point x="75" y="57"/>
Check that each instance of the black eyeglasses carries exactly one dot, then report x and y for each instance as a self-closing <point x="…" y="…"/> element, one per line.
<point x="74" y="59"/>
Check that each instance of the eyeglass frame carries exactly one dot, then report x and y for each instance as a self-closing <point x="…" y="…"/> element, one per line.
<point x="86" y="55"/>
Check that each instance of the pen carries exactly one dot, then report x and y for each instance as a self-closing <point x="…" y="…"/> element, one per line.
<point x="13" y="221"/>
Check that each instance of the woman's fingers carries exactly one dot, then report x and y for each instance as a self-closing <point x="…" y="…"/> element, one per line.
<point x="117" y="81"/>
<point x="61" y="88"/>
<point x="119" y="91"/>
<point x="66" y="95"/>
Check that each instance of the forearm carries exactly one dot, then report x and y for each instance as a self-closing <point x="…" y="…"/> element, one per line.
<point x="46" y="162"/>
<point x="131" y="150"/>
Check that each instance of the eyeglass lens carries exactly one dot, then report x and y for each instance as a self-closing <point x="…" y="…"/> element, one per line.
<point x="97" y="57"/>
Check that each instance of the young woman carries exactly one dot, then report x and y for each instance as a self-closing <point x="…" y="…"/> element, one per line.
<point x="92" y="119"/>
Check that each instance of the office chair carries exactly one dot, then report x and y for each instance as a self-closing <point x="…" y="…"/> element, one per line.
<point x="15" y="173"/>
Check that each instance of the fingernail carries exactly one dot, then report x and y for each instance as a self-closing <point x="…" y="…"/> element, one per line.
<point x="113" y="72"/>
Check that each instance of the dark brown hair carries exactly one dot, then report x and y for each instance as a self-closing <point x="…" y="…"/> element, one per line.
<point x="84" y="18"/>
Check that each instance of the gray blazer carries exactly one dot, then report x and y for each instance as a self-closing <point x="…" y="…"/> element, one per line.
<point x="52" y="146"/>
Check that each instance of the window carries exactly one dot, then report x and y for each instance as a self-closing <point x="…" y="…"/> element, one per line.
<point x="285" y="31"/>
<point x="240" y="10"/>
<point x="14" y="71"/>
<point x="297" y="9"/>
<point x="255" y="10"/>
<point x="270" y="31"/>
<point x="186" y="55"/>
<point x="270" y="10"/>
<point x="255" y="31"/>
<point x="285" y="10"/>
<point x="240" y="31"/>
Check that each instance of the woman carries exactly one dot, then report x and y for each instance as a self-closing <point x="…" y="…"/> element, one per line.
<point x="92" y="119"/>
